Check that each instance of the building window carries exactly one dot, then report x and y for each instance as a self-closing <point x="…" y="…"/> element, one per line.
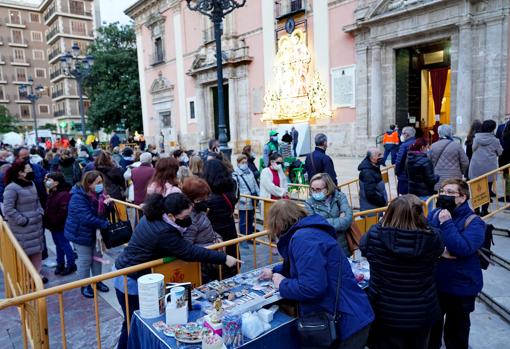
<point x="166" y="118"/>
<point x="2" y="93"/>
<point x="78" y="28"/>
<point x="40" y="73"/>
<point x="191" y="109"/>
<point x="159" y="55"/>
<point x="86" y="106"/>
<point x="24" y="111"/>
<point x="14" y="17"/>
<point x="1" y="74"/>
<point x="34" y="17"/>
<point x="38" y="55"/>
<point x="343" y="86"/>
<point x="44" y="109"/>
<point x="36" y="36"/>
<point x="19" y="55"/>
<point x="16" y="36"/>
<point x="77" y="7"/>
<point x="21" y="74"/>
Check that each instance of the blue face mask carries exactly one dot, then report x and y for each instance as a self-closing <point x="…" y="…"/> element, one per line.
<point x="320" y="196"/>
<point x="99" y="188"/>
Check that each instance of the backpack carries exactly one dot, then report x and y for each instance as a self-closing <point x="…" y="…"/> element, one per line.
<point x="484" y="252"/>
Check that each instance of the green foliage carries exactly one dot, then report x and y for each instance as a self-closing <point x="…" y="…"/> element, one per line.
<point x="7" y="121"/>
<point x="113" y="86"/>
<point x="48" y="126"/>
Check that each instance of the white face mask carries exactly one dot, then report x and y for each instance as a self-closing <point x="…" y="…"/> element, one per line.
<point x="243" y="167"/>
<point x="276" y="167"/>
<point x="402" y="138"/>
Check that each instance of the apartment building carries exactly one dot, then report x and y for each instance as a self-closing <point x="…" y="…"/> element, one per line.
<point x="33" y="37"/>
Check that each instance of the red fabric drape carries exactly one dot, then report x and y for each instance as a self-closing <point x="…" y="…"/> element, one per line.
<point x="438" y="78"/>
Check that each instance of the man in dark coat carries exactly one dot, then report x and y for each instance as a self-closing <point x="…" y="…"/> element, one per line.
<point x="115" y="140"/>
<point x="318" y="161"/>
<point x="407" y="138"/>
<point x="503" y="134"/>
<point x="295" y="138"/>
<point x="372" y="192"/>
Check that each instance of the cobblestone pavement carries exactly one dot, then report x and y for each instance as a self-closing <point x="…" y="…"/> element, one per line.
<point x="488" y="329"/>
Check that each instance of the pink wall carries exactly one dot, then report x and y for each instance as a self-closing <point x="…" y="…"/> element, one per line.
<point x="256" y="76"/>
<point x="249" y="17"/>
<point x="192" y="30"/>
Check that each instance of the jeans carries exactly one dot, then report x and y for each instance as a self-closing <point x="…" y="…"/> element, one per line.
<point x="86" y="261"/>
<point x="246" y="228"/>
<point x="455" y="322"/>
<point x="63" y="248"/>
<point x="133" y="305"/>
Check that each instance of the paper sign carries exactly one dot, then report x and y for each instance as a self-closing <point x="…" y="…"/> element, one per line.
<point x="479" y="192"/>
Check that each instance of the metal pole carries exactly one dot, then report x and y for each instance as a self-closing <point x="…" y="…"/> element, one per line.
<point x="82" y="111"/>
<point x="222" y="137"/>
<point x="33" y="99"/>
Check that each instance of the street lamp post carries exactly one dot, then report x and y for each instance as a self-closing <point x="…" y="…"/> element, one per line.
<point x="79" y="68"/>
<point x="32" y="94"/>
<point x="216" y="10"/>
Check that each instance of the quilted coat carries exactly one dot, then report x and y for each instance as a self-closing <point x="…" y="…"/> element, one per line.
<point x="24" y="215"/>
<point x="452" y="162"/>
<point x="486" y="150"/>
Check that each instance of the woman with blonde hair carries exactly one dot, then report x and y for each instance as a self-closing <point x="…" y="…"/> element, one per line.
<point x="403" y="252"/>
<point x="196" y="165"/>
<point x="316" y="273"/>
<point x="329" y="202"/>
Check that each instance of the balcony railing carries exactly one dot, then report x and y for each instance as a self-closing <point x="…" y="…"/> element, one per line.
<point x="55" y="74"/>
<point x="13" y="21"/>
<point x="80" y="12"/>
<point x="57" y="94"/>
<point x="157" y="58"/>
<point x="58" y="113"/>
<point x="23" y="42"/>
<point x="23" y="61"/>
<point x="51" y="34"/>
<point x="54" y="54"/>
<point x="49" y="13"/>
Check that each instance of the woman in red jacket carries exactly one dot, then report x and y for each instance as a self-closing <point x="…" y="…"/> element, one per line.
<point x="55" y="215"/>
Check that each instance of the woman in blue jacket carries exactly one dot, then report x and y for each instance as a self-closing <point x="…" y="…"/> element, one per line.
<point x="458" y="276"/>
<point x="86" y="212"/>
<point x="309" y="273"/>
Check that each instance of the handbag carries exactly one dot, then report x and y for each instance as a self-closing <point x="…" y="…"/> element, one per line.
<point x="118" y="232"/>
<point x="319" y="329"/>
<point x="353" y="236"/>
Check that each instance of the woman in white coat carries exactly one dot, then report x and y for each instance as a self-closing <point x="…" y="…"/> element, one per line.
<point x="273" y="182"/>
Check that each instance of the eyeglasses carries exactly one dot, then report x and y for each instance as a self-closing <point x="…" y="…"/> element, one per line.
<point x="317" y="190"/>
<point x="279" y="162"/>
<point x="449" y="192"/>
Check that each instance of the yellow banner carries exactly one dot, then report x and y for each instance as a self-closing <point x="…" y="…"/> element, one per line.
<point x="479" y="192"/>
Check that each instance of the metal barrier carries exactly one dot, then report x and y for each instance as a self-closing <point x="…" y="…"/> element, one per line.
<point x="20" y="277"/>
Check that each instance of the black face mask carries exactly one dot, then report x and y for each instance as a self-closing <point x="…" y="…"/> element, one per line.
<point x="200" y="206"/>
<point x="380" y="162"/>
<point x="446" y="202"/>
<point x="184" y="223"/>
<point x="30" y="176"/>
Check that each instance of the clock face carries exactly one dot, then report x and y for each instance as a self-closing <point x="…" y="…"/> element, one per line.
<point x="290" y="25"/>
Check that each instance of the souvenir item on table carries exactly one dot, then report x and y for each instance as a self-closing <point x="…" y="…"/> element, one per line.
<point x="212" y="342"/>
<point x="217" y="311"/>
<point x="151" y="295"/>
<point x="177" y="307"/>
<point x="187" y="295"/>
<point x="215" y="327"/>
<point x="232" y="330"/>
<point x="190" y="333"/>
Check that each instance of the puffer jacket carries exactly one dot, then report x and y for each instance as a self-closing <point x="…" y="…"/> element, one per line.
<point x="114" y="183"/>
<point x="420" y="173"/>
<point x="82" y="218"/>
<point x="461" y="276"/>
<point x="486" y="150"/>
<point x="24" y="214"/>
<point x="449" y="160"/>
<point x="331" y="209"/>
<point x="402" y="265"/>
<point x="315" y="260"/>
<point x="372" y="191"/>
<point x="247" y="185"/>
<point x="201" y="232"/>
<point x="55" y="213"/>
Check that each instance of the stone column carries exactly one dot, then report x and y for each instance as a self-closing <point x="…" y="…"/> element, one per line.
<point x="493" y="107"/>
<point x="361" y="86"/>
<point x="464" y="81"/>
<point x="376" y="97"/>
<point x="151" y="129"/>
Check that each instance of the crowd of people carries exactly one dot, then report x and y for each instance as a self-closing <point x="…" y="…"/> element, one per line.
<point x="425" y="272"/>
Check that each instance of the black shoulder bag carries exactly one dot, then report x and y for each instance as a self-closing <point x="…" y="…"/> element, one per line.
<point x="118" y="232"/>
<point x="319" y="329"/>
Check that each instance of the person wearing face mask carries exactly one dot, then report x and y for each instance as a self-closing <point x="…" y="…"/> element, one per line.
<point x="200" y="232"/>
<point x="406" y="138"/>
<point x="318" y="161"/>
<point x="248" y="186"/>
<point x="55" y="215"/>
<point x="329" y="202"/>
<point x="271" y="147"/>
<point x="86" y="214"/>
<point x="250" y="155"/>
<point x="160" y="234"/>
<point x="23" y="211"/>
<point x="459" y="275"/>
<point x="420" y="170"/>
<point x="273" y="182"/>
<point x="372" y="191"/>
